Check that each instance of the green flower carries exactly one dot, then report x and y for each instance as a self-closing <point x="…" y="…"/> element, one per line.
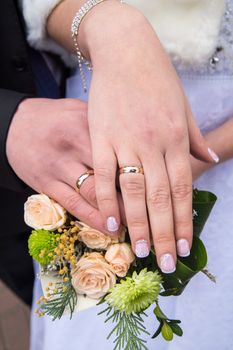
<point x="136" y="293"/>
<point x="41" y="246"/>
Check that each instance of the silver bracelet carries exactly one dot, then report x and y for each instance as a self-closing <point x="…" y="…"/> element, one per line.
<point x="74" y="31"/>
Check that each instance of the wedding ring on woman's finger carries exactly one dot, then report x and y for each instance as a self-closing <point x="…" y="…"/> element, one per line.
<point x="82" y="178"/>
<point x="131" y="170"/>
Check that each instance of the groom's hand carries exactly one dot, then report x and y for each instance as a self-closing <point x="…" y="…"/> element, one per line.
<point x="48" y="146"/>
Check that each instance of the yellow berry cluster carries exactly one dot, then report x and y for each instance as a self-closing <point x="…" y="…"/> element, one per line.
<point x="65" y="250"/>
<point x="40" y="302"/>
<point x="51" y="291"/>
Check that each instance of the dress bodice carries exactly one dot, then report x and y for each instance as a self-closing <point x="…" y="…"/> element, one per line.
<point x="209" y="86"/>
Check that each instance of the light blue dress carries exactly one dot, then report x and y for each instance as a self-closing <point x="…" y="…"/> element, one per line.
<point x="206" y="309"/>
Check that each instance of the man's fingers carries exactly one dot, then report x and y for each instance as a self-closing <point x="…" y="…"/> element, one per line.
<point x="71" y="172"/>
<point x="75" y="204"/>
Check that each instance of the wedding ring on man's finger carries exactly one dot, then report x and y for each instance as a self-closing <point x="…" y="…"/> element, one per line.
<point x="82" y="178"/>
<point x="131" y="170"/>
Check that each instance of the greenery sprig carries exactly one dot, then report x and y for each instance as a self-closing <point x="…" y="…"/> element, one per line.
<point x="128" y="329"/>
<point x="167" y="327"/>
<point x="63" y="296"/>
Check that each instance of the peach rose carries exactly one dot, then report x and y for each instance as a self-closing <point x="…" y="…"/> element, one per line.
<point x="120" y="256"/>
<point x="41" y="212"/>
<point x="93" y="276"/>
<point x="95" y="239"/>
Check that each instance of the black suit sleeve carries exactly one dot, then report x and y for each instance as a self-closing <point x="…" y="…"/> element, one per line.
<point x="9" y="101"/>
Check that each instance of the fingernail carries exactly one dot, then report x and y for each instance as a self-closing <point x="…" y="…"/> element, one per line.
<point x="112" y="224"/>
<point x="167" y="264"/>
<point x="142" y="249"/>
<point x="213" y="155"/>
<point x="183" y="249"/>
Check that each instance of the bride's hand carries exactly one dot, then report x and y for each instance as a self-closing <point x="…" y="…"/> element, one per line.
<point x="138" y="116"/>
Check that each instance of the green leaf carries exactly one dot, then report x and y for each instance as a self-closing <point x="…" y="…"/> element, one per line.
<point x="175" y="321"/>
<point x="186" y="268"/>
<point x="158" y="331"/>
<point x="167" y="332"/>
<point x="203" y="203"/>
<point x="176" y="329"/>
<point x="159" y="313"/>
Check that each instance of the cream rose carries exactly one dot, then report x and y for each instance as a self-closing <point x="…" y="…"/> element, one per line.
<point x="95" y="239"/>
<point x="93" y="276"/>
<point x="41" y="212"/>
<point x="120" y="256"/>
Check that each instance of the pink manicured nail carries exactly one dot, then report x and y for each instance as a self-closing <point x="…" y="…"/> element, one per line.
<point x="167" y="264"/>
<point x="183" y="249"/>
<point x="112" y="224"/>
<point x="213" y="155"/>
<point x="142" y="249"/>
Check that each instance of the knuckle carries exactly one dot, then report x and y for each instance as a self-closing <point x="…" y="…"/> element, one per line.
<point x="91" y="215"/>
<point x="178" y="134"/>
<point x="164" y="240"/>
<point x="105" y="200"/>
<point x="138" y="225"/>
<point x="104" y="197"/>
<point x="185" y="224"/>
<point x="147" y="133"/>
<point x="133" y="188"/>
<point x="71" y="203"/>
<point x="159" y="199"/>
<point x="181" y="191"/>
<point x="62" y="138"/>
<point x="73" y="104"/>
<point x="90" y="194"/>
<point x="104" y="174"/>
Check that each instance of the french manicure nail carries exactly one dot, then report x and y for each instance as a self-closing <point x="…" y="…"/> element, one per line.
<point x="167" y="264"/>
<point x="213" y="155"/>
<point x="142" y="248"/>
<point x="183" y="249"/>
<point x="112" y="224"/>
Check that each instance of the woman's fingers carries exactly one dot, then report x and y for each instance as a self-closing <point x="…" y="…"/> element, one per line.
<point x="75" y="204"/>
<point x="180" y="178"/>
<point x="198" y="146"/>
<point x="159" y="205"/>
<point x="105" y="167"/>
<point x="134" y="193"/>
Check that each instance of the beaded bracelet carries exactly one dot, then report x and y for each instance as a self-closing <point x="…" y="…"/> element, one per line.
<point x="74" y="31"/>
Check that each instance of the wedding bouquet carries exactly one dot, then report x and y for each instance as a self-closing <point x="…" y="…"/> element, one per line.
<point x="81" y="267"/>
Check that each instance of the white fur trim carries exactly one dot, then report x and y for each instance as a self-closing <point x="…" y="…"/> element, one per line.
<point x="188" y="29"/>
<point x="35" y="14"/>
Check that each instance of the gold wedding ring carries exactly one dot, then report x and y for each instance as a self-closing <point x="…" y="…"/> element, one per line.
<point x="131" y="170"/>
<point x="82" y="178"/>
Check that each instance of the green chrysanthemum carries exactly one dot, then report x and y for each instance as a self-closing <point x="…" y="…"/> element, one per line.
<point x="41" y="245"/>
<point x="136" y="293"/>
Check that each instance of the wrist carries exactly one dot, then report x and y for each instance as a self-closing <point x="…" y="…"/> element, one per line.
<point x="109" y="28"/>
<point x="106" y="30"/>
